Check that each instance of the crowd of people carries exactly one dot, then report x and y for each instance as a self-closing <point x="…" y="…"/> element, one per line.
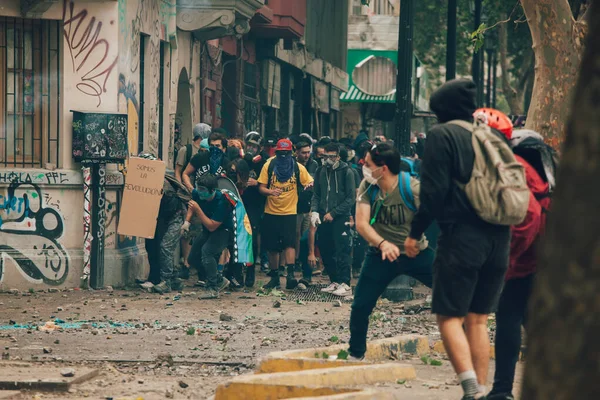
<point x="366" y="212"/>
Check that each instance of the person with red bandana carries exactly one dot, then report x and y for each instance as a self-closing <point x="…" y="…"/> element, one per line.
<point x="512" y="307"/>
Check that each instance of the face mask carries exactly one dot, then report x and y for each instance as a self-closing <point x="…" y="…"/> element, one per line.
<point x="330" y="163"/>
<point x="215" y="150"/>
<point x="251" y="151"/>
<point x="368" y="174"/>
<point x="283" y="154"/>
<point x="351" y="155"/>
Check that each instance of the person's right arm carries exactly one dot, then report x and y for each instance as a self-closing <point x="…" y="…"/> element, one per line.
<point x="263" y="180"/>
<point x="436" y="181"/>
<point x="389" y="251"/>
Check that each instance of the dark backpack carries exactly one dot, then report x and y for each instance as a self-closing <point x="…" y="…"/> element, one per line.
<point x="188" y="156"/>
<point x="271" y="168"/>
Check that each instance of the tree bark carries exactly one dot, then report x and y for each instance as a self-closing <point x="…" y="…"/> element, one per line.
<point x="564" y="325"/>
<point x="557" y="44"/>
<point x="514" y="98"/>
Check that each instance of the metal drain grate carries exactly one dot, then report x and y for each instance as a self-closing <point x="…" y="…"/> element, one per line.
<point x="313" y="294"/>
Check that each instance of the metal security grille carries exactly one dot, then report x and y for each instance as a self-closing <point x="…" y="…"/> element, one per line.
<point x="29" y="92"/>
<point x="313" y="294"/>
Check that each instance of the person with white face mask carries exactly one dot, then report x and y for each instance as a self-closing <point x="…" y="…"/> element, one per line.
<point x="387" y="202"/>
<point x="332" y="202"/>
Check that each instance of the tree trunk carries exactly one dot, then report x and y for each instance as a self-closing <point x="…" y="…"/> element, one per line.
<point x="557" y="44"/>
<point x="564" y="325"/>
<point x="514" y="98"/>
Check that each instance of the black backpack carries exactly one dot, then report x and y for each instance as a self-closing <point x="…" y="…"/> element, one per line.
<point x="188" y="156"/>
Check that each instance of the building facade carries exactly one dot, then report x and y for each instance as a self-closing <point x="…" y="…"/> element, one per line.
<point x="369" y="103"/>
<point x="242" y="65"/>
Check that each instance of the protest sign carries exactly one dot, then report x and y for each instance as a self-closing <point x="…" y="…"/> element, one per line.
<point x="141" y="197"/>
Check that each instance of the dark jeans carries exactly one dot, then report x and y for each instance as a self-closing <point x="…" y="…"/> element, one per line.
<point x="205" y="253"/>
<point x="375" y="276"/>
<point x="360" y="247"/>
<point x="335" y="245"/>
<point x="511" y="314"/>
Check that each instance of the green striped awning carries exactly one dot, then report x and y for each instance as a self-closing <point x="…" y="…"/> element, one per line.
<point x="354" y="94"/>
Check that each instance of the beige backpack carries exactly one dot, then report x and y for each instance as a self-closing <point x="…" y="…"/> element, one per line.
<point x="497" y="189"/>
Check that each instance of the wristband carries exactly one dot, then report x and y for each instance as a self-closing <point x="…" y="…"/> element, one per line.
<point x="380" y="243"/>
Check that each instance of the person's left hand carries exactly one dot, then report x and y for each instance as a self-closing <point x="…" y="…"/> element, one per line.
<point x="411" y="247"/>
<point x="252" y="182"/>
<point x="194" y="206"/>
<point x="327" y="218"/>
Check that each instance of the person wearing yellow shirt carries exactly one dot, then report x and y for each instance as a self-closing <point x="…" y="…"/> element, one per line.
<point x="281" y="180"/>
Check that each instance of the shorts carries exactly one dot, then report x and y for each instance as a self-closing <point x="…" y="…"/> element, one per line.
<point x="469" y="269"/>
<point x="278" y="232"/>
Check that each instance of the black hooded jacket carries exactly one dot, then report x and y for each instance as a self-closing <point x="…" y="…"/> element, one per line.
<point x="449" y="157"/>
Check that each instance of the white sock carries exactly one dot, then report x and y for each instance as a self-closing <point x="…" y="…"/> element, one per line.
<point x="468" y="381"/>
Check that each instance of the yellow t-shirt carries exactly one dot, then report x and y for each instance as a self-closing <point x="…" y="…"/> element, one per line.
<point x="287" y="202"/>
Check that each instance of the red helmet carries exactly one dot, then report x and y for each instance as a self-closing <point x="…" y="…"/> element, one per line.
<point x="495" y="119"/>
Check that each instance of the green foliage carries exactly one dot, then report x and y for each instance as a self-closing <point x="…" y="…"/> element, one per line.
<point x="334" y="339"/>
<point x="477" y="37"/>
<point x="431" y="361"/>
<point x="343" y="355"/>
<point x="325" y="356"/>
<point x="190" y="331"/>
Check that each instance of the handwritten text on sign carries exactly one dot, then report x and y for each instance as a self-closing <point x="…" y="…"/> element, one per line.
<point x="141" y="197"/>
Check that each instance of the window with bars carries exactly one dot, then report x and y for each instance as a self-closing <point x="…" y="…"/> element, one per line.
<point x="29" y="92"/>
<point x="251" y="106"/>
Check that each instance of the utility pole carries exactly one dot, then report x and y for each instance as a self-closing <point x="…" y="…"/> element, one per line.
<point x="451" y="42"/>
<point x="476" y="69"/>
<point x="404" y="78"/>
<point x="399" y="289"/>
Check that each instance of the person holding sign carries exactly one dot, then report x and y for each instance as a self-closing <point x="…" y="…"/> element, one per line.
<point x="214" y="211"/>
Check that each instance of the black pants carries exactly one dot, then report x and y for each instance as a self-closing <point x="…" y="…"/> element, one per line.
<point x="358" y="253"/>
<point x="375" y="277"/>
<point x="335" y="245"/>
<point x="205" y="253"/>
<point x="511" y="315"/>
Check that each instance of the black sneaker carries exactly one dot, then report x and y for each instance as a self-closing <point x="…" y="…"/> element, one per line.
<point x="184" y="273"/>
<point x="478" y="396"/>
<point x="234" y="284"/>
<point x="291" y="282"/>
<point x="177" y="285"/>
<point x="281" y="271"/>
<point x="224" y="283"/>
<point x="162" y="287"/>
<point x="265" y="268"/>
<point x="200" y="284"/>
<point x="274" y="282"/>
<point x="250" y="276"/>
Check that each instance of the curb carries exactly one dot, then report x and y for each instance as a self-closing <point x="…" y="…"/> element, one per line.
<point x="301" y="374"/>
<point x="320" y="382"/>
<point x="377" y="350"/>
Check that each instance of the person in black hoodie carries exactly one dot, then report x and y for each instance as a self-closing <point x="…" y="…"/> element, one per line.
<point x="472" y="255"/>
<point x="334" y="196"/>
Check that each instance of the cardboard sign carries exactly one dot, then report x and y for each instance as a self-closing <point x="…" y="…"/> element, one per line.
<point x="141" y="197"/>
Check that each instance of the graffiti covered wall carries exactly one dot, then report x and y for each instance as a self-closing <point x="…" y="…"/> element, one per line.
<point x="34" y="220"/>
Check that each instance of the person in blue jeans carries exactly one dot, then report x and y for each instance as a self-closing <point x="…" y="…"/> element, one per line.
<point x="383" y="217"/>
<point x="215" y="212"/>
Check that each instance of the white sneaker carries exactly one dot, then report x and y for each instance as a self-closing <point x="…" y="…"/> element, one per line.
<point x="343" y="290"/>
<point x="331" y="288"/>
<point x="147" y="285"/>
